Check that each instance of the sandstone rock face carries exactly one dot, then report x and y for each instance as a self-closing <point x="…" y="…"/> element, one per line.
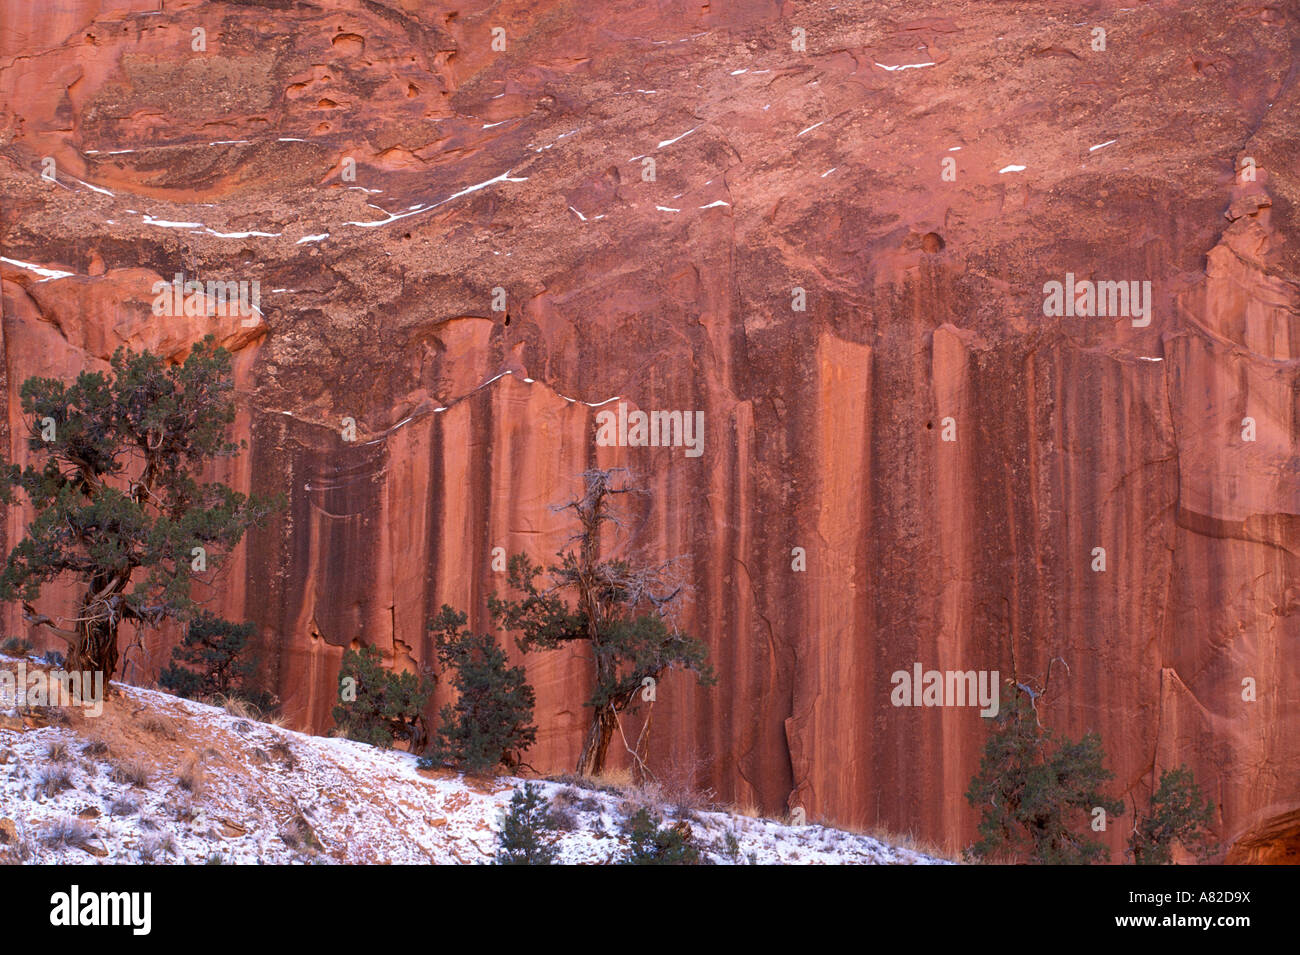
<point x="920" y="171"/>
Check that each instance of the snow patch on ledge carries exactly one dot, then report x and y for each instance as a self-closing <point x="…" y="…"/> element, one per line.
<point x="904" y="66"/>
<point x="242" y="235"/>
<point x="669" y="142"/>
<point x="170" y="224"/>
<point x="393" y="217"/>
<point x="49" y="274"/>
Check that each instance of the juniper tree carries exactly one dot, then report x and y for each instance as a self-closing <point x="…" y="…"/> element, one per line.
<point x="525" y="830"/>
<point x="1178" y="813"/>
<point x="377" y="705"/>
<point x="120" y="507"/>
<point x="210" y="662"/>
<point x="620" y="610"/>
<point x="490" y="724"/>
<point x="1036" y="793"/>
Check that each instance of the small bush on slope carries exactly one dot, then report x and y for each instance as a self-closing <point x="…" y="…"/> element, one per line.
<point x="648" y="844"/>
<point x="524" y="838"/>
<point x="53" y="780"/>
<point x="210" y="663"/>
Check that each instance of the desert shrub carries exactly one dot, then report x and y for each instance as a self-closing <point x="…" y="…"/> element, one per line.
<point x="124" y="806"/>
<point x="16" y="846"/>
<point x="53" y="658"/>
<point x="191" y="777"/>
<point x="572" y="797"/>
<point x="282" y="751"/>
<point x="157" y="846"/>
<point x="562" y="817"/>
<point x="731" y="845"/>
<point x="299" y="834"/>
<point x="56" y="750"/>
<point x="158" y="725"/>
<point x="678" y="786"/>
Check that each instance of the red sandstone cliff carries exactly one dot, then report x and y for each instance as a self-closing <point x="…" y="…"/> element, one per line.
<point x="522" y="169"/>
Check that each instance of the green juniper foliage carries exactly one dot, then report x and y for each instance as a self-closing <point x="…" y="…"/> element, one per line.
<point x="526" y="837"/>
<point x="378" y="706"/>
<point x="490" y="724"/>
<point x="648" y="844"/>
<point x="1178" y="814"/>
<point x="1037" y="794"/>
<point x="210" y="662"/>
<point x="118" y="501"/>
<point x="618" y="611"/>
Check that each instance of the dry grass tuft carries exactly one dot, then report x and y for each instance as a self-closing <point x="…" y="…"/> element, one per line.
<point x="245" y="710"/>
<point x="124" y="806"/>
<point x="56" y="750"/>
<point x="157" y="846"/>
<point x="282" y="751"/>
<point x="158" y="725"/>
<point x="132" y="772"/>
<point x="67" y="831"/>
<point x="907" y="840"/>
<point x="747" y="809"/>
<point x="191" y="776"/>
<point x="53" y="780"/>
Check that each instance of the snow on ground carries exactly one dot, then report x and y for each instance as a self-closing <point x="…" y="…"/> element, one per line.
<point x="156" y="778"/>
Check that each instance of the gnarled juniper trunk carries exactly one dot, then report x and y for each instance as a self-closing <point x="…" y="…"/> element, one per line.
<point x="95" y="648"/>
<point x="596" y="746"/>
<point x="603" y="721"/>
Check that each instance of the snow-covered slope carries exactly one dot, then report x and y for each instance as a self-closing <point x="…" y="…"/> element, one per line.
<point x="162" y="779"/>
